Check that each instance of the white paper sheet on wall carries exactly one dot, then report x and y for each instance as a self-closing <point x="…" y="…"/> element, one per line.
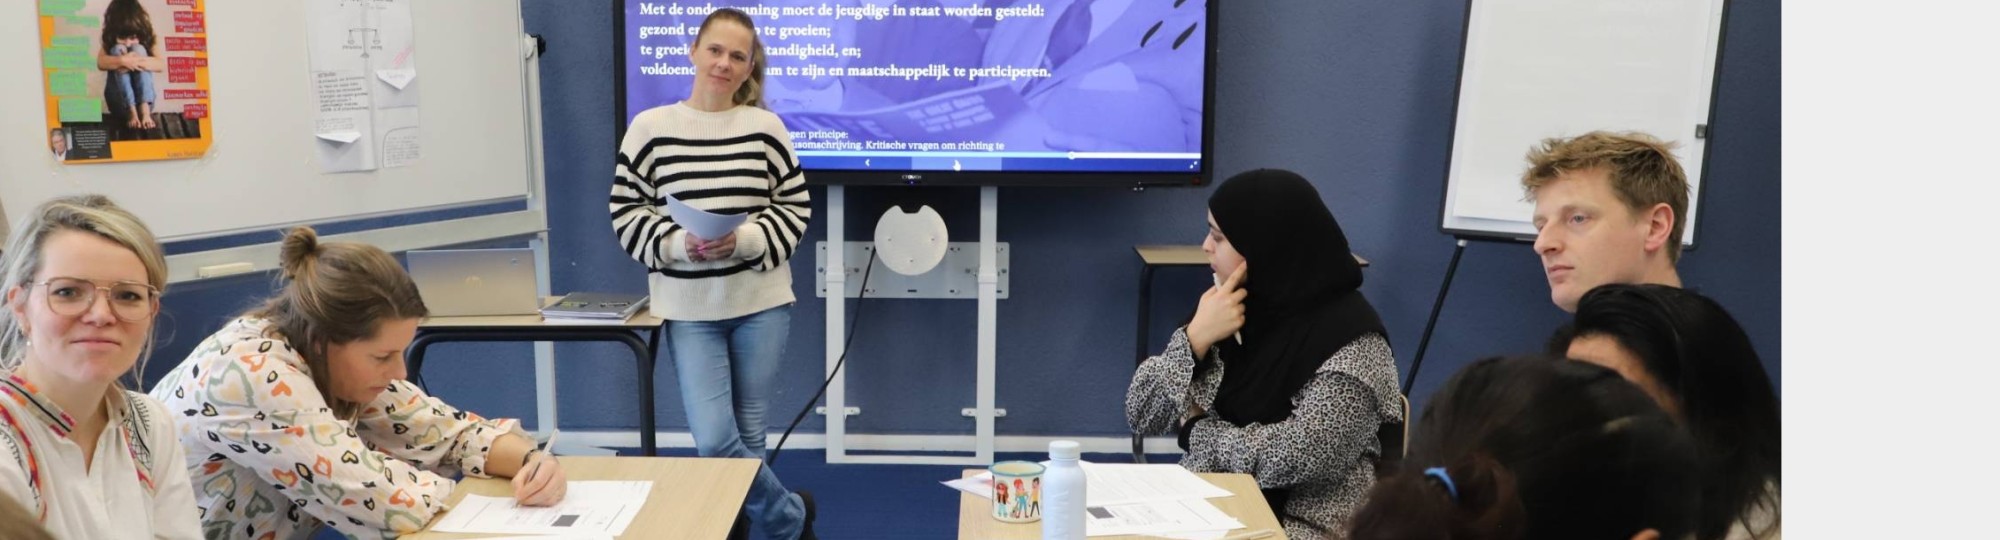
<point x="364" y="84"/>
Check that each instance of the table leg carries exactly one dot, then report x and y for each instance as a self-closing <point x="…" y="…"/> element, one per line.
<point x="652" y="361"/>
<point x="415" y="358"/>
<point x="1145" y="320"/>
<point x="642" y="353"/>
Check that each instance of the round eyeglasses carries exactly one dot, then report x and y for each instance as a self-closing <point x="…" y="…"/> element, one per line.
<point x="131" y="302"/>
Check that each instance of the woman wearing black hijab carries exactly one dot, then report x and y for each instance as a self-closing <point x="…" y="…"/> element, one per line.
<point x="1284" y="372"/>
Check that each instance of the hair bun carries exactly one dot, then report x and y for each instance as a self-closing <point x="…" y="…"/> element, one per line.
<point x="300" y="247"/>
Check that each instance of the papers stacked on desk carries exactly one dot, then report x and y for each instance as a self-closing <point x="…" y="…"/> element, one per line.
<point x="1161" y="500"/>
<point x="588" y="508"/>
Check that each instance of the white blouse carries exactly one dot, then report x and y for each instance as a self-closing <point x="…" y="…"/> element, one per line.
<point x="136" y="485"/>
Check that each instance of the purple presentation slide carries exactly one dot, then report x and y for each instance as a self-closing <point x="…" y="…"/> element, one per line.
<point x="1015" y="85"/>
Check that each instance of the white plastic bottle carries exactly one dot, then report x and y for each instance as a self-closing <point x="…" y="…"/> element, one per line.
<point x="1063" y="493"/>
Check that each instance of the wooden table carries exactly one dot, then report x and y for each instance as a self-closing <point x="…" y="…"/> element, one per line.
<point x="640" y="333"/>
<point x="1153" y="258"/>
<point x="694" y="498"/>
<point x="975" y="513"/>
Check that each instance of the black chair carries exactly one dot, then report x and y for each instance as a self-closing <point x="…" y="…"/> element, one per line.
<point x="1395" y="440"/>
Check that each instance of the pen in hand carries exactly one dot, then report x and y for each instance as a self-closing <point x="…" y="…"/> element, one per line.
<point x="548" y="447"/>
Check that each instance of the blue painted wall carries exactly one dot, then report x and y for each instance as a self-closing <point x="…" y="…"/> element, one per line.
<point x="1354" y="95"/>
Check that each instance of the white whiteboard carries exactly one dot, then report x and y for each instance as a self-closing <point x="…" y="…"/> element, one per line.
<point x="261" y="172"/>
<point x="1535" y="69"/>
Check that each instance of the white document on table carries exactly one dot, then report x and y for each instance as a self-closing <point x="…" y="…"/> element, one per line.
<point x="1125" y="483"/>
<point x="1156" y="517"/>
<point x="1184" y="535"/>
<point x="588" y="508"/>
<point x="979" y="484"/>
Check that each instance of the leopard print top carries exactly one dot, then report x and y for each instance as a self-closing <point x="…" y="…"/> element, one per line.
<point x="1324" y="454"/>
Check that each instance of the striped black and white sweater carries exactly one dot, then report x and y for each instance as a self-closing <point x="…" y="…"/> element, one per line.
<point x="731" y="162"/>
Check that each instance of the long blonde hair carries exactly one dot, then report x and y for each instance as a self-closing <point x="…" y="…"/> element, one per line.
<point x="93" y="214"/>
<point x="752" y="91"/>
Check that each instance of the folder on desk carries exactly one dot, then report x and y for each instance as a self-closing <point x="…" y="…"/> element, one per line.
<point x="588" y="305"/>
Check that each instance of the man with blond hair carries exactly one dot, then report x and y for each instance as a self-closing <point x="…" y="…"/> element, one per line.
<point x="1609" y="208"/>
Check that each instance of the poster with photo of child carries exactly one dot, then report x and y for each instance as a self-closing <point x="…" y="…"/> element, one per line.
<point x="125" y="80"/>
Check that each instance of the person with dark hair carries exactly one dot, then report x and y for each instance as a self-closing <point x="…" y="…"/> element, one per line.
<point x="1537" y="448"/>
<point x="727" y="300"/>
<point x="1687" y="353"/>
<point x="127" y="42"/>
<point x="298" y="414"/>
<point x="1285" y="372"/>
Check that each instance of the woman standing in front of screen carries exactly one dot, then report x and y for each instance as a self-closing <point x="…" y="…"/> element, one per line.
<point x="727" y="300"/>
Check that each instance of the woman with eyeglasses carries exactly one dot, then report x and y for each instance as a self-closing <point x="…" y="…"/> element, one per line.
<point x="83" y="455"/>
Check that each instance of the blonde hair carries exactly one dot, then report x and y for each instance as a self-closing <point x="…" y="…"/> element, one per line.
<point x="752" y="91"/>
<point x="93" y="214"/>
<point x="1642" y="170"/>
<point x="334" y="293"/>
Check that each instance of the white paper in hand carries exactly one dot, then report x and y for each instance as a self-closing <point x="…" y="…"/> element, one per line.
<point x="702" y="224"/>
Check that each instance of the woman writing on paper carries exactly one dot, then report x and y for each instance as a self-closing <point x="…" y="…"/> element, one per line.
<point x="297" y="414"/>
<point x="1285" y="371"/>
<point x="82" y="455"/>
<point x="727" y="300"/>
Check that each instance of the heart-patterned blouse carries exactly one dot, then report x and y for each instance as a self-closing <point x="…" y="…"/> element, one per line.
<point x="269" y="459"/>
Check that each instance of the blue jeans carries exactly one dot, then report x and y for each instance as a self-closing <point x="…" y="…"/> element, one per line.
<point x="126" y="90"/>
<point x="726" y="370"/>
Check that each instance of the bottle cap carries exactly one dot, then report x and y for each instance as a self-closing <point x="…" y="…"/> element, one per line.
<point x="1064" y="450"/>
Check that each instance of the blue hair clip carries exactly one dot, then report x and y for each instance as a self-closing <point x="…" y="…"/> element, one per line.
<point x="1443" y="478"/>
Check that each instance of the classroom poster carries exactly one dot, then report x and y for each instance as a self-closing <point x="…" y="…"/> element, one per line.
<point x="125" y="80"/>
<point x="364" y="84"/>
